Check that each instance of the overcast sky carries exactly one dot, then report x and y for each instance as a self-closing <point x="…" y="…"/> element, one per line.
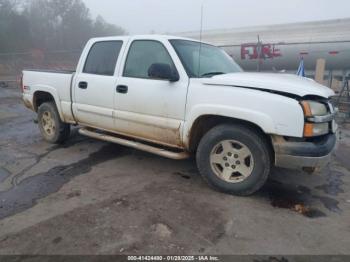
<point x="169" y="16"/>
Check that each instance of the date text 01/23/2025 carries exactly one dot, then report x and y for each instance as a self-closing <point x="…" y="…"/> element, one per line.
<point x="173" y="258"/>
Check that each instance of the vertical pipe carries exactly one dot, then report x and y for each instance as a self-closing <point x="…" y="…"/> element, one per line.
<point x="330" y="79"/>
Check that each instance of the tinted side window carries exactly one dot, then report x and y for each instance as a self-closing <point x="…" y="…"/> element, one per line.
<point x="143" y="54"/>
<point x="102" y="58"/>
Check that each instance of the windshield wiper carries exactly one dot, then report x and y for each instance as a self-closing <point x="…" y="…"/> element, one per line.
<point x="211" y="74"/>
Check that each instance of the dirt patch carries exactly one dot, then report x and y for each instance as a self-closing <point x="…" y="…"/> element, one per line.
<point x="162" y="230"/>
<point x="152" y="220"/>
<point x="4" y="174"/>
<point x="74" y="194"/>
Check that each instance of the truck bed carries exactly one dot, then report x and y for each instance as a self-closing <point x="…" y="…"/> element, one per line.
<point x="57" y="83"/>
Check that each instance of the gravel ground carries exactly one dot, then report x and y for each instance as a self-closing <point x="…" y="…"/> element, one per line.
<point x="90" y="197"/>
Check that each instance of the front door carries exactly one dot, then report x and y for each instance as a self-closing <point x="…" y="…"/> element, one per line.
<point x="94" y="87"/>
<point x="149" y="108"/>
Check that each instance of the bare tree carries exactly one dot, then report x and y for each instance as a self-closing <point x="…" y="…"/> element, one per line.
<point x="49" y="25"/>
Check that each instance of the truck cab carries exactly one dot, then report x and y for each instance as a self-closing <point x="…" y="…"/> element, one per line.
<point x="178" y="97"/>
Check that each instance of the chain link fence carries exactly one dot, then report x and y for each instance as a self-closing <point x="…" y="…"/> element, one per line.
<point x="342" y="102"/>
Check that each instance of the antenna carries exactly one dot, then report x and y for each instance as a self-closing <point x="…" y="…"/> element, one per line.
<point x="200" y="39"/>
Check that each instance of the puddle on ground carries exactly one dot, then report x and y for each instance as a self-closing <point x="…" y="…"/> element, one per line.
<point x="295" y="198"/>
<point x="299" y="199"/>
<point x="38" y="157"/>
<point x="330" y="203"/>
<point x="334" y="183"/>
<point x="24" y="195"/>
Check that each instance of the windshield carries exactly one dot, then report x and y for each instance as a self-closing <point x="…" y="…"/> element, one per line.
<point x="212" y="60"/>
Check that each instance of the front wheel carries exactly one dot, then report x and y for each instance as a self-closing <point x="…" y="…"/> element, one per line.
<point x="234" y="159"/>
<point x="51" y="127"/>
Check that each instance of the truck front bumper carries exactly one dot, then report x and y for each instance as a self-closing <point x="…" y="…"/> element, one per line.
<point x="304" y="155"/>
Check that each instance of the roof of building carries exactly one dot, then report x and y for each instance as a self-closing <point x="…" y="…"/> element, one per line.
<point x="318" y="31"/>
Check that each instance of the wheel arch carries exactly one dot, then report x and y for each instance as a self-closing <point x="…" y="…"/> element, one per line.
<point x="205" y="123"/>
<point x="44" y="96"/>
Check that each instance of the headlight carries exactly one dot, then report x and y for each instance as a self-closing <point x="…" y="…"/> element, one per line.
<point x="312" y="108"/>
<point x="317" y="118"/>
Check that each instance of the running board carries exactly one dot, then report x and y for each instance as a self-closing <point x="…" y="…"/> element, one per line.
<point x="137" y="145"/>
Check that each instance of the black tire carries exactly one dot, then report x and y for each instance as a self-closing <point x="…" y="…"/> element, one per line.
<point x="61" y="131"/>
<point x="258" y="147"/>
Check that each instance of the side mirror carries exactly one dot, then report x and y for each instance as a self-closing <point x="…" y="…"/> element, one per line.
<point x="164" y="72"/>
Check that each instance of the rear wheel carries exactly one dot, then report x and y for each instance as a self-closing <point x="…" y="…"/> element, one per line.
<point x="51" y="127"/>
<point x="234" y="159"/>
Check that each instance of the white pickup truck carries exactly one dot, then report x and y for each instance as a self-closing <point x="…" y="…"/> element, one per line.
<point x="177" y="97"/>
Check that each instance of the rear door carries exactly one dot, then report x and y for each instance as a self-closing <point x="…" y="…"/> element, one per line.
<point x="94" y="85"/>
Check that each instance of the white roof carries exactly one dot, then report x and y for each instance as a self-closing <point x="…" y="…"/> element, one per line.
<point x="135" y="37"/>
<point x="319" y="31"/>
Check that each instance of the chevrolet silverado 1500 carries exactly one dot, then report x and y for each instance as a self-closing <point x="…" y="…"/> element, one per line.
<point x="177" y="97"/>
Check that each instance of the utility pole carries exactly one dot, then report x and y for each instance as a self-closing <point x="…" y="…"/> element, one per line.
<point x="259" y="51"/>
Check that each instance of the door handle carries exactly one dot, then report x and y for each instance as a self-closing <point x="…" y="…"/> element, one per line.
<point x="83" y="85"/>
<point x="122" y="89"/>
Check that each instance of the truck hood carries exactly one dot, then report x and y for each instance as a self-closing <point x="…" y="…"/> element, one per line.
<point x="283" y="83"/>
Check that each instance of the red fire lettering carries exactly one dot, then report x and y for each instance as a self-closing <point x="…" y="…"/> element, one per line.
<point x="251" y="52"/>
<point x="248" y="51"/>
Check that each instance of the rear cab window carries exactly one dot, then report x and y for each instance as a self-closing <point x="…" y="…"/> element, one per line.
<point x="102" y="58"/>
